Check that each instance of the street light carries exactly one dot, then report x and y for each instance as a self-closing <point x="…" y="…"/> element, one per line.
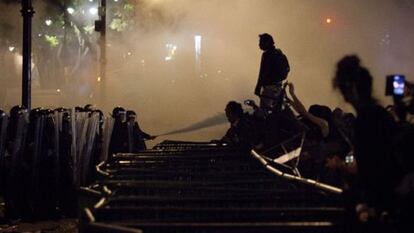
<point x="93" y="11"/>
<point x="70" y="10"/>
<point x="48" y="22"/>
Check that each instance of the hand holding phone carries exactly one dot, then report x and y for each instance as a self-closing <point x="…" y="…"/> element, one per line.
<point x="395" y="85"/>
<point x="249" y="102"/>
<point x="349" y="159"/>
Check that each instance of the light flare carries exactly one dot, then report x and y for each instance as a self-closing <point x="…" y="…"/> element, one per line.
<point x="70" y="10"/>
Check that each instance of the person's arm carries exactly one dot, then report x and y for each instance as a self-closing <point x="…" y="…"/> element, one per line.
<point x="258" y="87"/>
<point x="252" y="104"/>
<point x="298" y="106"/>
<point x="148" y="136"/>
<point x="230" y="137"/>
<point x="258" y="112"/>
<point x="262" y="73"/>
<point x="143" y="134"/>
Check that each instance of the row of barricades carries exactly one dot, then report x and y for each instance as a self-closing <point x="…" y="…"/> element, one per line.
<point x="46" y="155"/>
<point x="202" y="187"/>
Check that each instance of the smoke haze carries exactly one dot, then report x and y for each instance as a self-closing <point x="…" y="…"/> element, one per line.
<point x="174" y="94"/>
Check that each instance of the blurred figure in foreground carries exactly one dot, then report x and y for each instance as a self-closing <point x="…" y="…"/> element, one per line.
<point x="375" y="130"/>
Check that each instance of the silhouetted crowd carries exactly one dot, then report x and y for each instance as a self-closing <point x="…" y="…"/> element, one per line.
<point x="127" y="136"/>
<point x="369" y="154"/>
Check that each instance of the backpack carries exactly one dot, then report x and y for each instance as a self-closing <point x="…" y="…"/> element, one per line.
<point x="283" y="65"/>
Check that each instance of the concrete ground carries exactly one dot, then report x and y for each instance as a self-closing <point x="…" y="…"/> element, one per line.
<point x="52" y="226"/>
<point x="60" y="226"/>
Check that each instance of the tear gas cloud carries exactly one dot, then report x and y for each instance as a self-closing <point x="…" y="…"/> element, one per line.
<point x="178" y="62"/>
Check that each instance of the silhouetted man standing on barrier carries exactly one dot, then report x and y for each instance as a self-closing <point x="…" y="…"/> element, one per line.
<point x="274" y="68"/>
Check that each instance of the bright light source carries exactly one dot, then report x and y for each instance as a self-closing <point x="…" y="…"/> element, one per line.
<point x="328" y="20"/>
<point x="115" y="0"/>
<point x="129" y="53"/>
<point x="197" y="46"/>
<point x="58" y="90"/>
<point x="93" y="10"/>
<point x="11" y="48"/>
<point x="48" y="22"/>
<point x="70" y="10"/>
<point x="99" y="78"/>
<point x="171" y="51"/>
<point x="197" y="41"/>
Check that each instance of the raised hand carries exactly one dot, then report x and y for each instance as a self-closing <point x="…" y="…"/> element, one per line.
<point x="291" y="88"/>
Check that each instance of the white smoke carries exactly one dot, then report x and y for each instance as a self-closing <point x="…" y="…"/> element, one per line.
<point x="169" y="95"/>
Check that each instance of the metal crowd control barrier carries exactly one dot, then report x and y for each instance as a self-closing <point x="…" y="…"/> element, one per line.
<point x="204" y="188"/>
<point x="285" y="152"/>
<point x="185" y="145"/>
<point x="175" y="187"/>
<point x="286" y="175"/>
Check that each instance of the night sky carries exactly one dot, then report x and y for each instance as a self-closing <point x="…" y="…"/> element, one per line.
<point x="153" y="67"/>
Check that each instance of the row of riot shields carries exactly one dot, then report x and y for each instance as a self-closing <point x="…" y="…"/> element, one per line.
<point x="202" y="187"/>
<point x="46" y="155"/>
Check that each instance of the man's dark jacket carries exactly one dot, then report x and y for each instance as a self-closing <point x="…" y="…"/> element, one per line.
<point x="271" y="69"/>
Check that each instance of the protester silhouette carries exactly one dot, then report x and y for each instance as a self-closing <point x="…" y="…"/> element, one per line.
<point x="375" y="130"/>
<point x="241" y="133"/>
<point x="136" y="137"/>
<point x="320" y="122"/>
<point x="274" y="68"/>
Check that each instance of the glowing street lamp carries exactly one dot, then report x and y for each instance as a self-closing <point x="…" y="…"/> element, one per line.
<point x="48" y="22"/>
<point x="70" y="10"/>
<point x="197" y="48"/>
<point x="171" y="50"/>
<point x="328" y="20"/>
<point x="93" y="11"/>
